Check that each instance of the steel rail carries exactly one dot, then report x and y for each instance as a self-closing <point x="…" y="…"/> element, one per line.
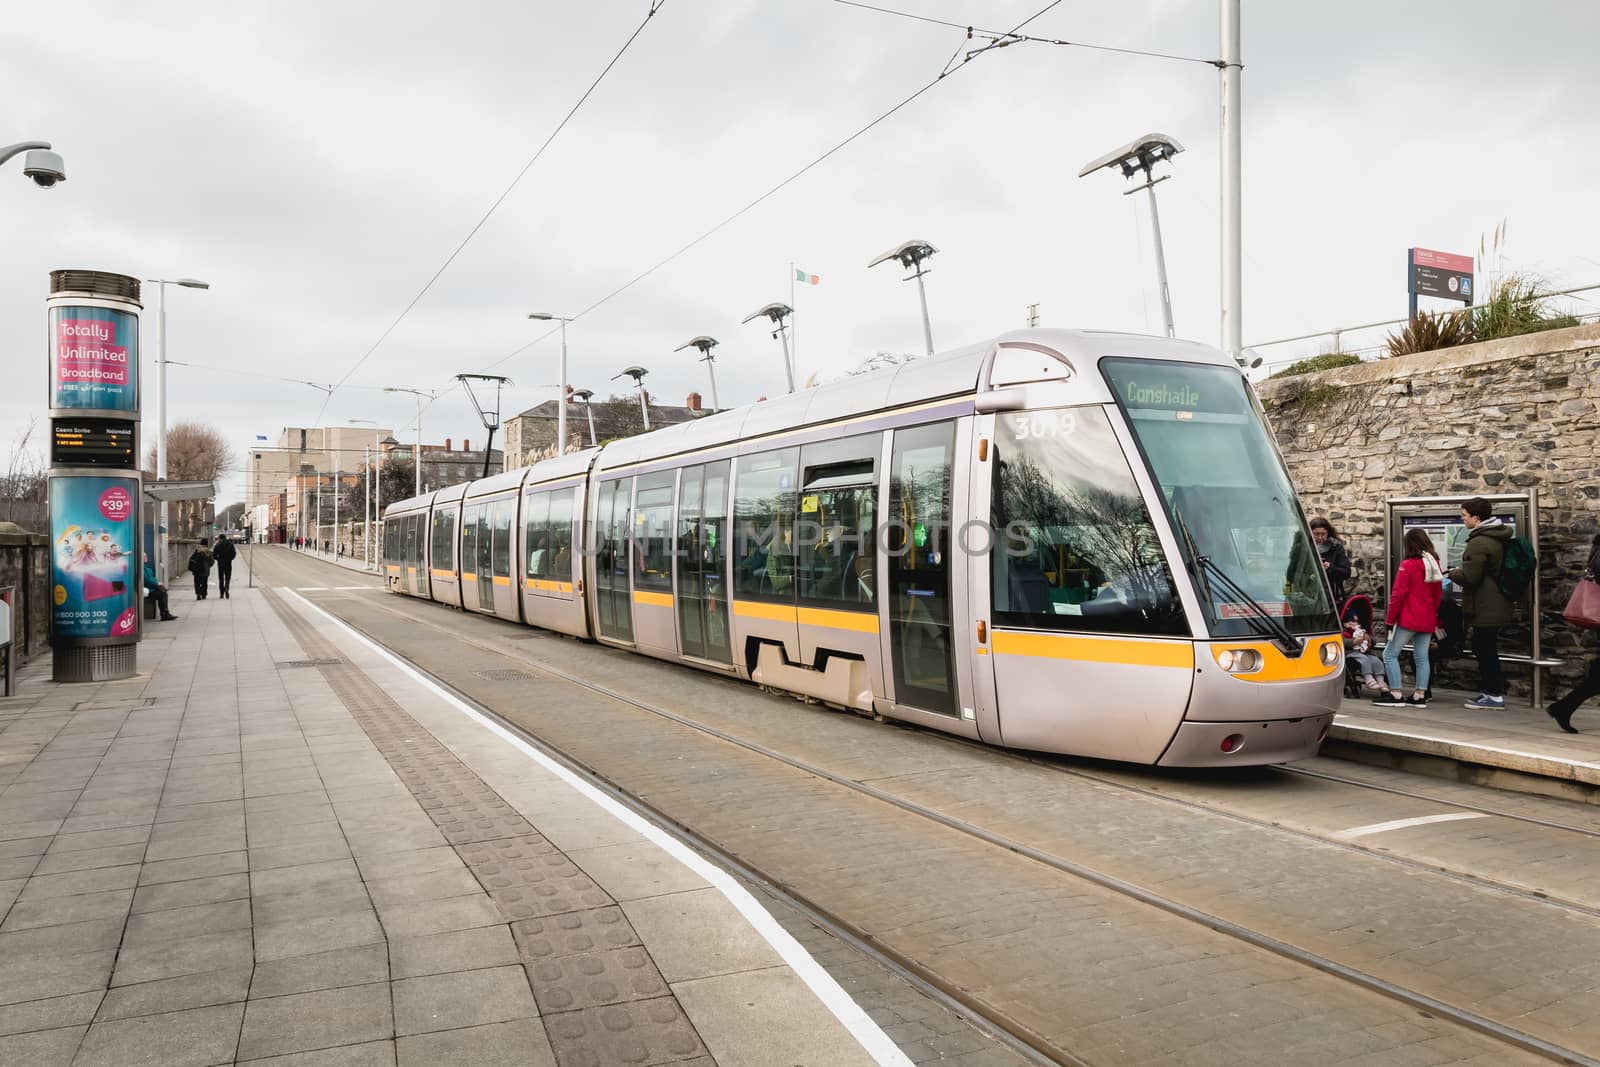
<point x="1420" y="1001"/>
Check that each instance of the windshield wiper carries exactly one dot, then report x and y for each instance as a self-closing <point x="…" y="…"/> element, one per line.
<point x="1263" y="622"/>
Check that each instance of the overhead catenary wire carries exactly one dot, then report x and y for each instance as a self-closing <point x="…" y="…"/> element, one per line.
<point x="1003" y="38"/>
<point x="655" y="6"/>
<point x="758" y="201"/>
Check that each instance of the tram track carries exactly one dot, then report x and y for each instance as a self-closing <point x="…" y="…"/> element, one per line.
<point x="947" y="992"/>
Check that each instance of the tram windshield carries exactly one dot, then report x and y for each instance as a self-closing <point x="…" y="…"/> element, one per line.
<point x="1225" y="488"/>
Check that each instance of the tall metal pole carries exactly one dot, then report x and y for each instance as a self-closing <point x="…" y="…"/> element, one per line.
<point x="1161" y="257"/>
<point x="366" y="516"/>
<point x="711" y="365"/>
<point x="561" y="403"/>
<point x="336" y="487"/>
<point x="161" y="425"/>
<point x="927" y="327"/>
<point x="416" y="461"/>
<point x="317" y="536"/>
<point x="1232" y="278"/>
<point x="644" y="408"/>
<point x="377" y="496"/>
<point x="588" y="410"/>
<point x="788" y="364"/>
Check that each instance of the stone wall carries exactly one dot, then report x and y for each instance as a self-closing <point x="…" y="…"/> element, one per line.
<point x="1496" y="417"/>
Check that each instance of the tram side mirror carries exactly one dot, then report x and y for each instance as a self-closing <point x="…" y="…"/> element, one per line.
<point x="1001" y="400"/>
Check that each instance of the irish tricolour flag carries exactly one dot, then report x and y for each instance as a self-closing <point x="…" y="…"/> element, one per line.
<point x="808" y="279"/>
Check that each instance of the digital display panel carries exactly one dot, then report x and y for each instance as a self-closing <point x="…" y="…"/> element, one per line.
<point x="92" y="443"/>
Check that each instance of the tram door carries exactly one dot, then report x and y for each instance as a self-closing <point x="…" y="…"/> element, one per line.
<point x="918" y="543"/>
<point x="408" y="554"/>
<point x="702" y="592"/>
<point x="613" y="606"/>
<point x="477" y="560"/>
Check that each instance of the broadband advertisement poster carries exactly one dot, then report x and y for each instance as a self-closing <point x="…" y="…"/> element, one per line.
<point x="96" y="591"/>
<point x="94" y="359"/>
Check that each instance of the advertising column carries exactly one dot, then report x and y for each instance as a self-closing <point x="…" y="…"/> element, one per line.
<point x="95" y="485"/>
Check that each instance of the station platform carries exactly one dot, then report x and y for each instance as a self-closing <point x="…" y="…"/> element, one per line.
<point x="1518" y="748"/>
<point x="279" y="845"/>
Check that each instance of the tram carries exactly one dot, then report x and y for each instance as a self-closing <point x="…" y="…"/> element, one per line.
<point x="1066" y="541"/>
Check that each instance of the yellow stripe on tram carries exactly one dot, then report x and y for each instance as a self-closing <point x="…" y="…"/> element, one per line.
<point x="544" y="585"/>
<point x="755" y="609"/>
<point x="659" y="600"/>
<point x="1135" y="653"/>
<point x="861" y="622"/>
<point x="439" y="572"/>
<point x="501" y="580"/>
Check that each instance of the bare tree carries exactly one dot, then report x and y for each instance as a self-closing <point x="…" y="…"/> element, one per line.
<point x="25" y="485"/>
<point x="195" y="452"/>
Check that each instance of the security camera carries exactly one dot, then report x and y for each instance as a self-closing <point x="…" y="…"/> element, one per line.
<point x="45" y="168"/>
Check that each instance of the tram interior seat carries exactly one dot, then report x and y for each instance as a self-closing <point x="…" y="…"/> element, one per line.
<point x="1027" y="587"/>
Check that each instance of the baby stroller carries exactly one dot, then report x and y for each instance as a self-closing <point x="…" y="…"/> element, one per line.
<point x="1357" y="610"/>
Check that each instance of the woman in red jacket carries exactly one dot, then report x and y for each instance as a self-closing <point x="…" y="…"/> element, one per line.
<point x="1412" y="616"/>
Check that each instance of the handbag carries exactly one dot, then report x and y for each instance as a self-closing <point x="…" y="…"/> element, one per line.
<point x="1583" y="607"/>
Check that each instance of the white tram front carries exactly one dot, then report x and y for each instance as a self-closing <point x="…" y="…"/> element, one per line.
<point x="1066" y="541"/>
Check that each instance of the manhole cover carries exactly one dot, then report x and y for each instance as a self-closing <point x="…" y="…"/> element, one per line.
<point x="291" y="664"/>
<point x="504" y="674"/>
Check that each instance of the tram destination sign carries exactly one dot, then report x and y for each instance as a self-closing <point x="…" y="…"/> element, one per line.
<point x="1441" y="274"/>
<point x="92" y="442"/>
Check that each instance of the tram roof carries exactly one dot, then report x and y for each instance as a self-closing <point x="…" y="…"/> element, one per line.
<point x="946" y="374"/>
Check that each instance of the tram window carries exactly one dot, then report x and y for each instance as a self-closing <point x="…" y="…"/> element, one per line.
<point x="501" y="514"/>
<point x="444" y="535"/>
<point x="559" y="529"/>
<point x="652" y="531"/>
<point x="763" y="517"/>
<point x="535" y="517"/>
<point x="469" y="539"/>
<point x="1074" y="546"/>
<point x="834" y="531"/>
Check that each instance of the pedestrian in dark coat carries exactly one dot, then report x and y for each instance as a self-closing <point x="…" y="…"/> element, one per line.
<point x="224" y="554"/>
<point x="1589" y="688"/>
<point x="1486" y="607"/>
<point x="1335" y="560"/>
<point x="200" y="567"/>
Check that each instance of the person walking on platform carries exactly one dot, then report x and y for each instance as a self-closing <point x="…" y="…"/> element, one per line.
<point x="1589" y="688"/>
<point x="200" y="567"/>
<point x="1487" y="609"/>
<point x="1335" y="560"/>
<point x="224" y="554"/>
<point x="156" y="591"/>
<point x="1411" y="617"/>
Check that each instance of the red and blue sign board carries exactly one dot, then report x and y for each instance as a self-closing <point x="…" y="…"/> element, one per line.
<point x="94" y="359"/>
<point x="1442" y="274"/>
<point x="94" y="586"/>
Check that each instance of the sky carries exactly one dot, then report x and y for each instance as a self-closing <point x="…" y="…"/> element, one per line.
<point x="318" y="163"/>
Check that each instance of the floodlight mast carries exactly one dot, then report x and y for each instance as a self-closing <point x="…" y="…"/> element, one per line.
<point x="1131" y="159"/>
<point x="637" y="374"/>
<point x="585" y="395"/>
<point x="705" y="345"/>
<point x="777" y="313"/>
<point x="910" y="255"/>
<point x="491" y="418"/>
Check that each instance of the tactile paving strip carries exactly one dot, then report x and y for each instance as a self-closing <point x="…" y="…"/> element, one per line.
<point x="601" y="996"/>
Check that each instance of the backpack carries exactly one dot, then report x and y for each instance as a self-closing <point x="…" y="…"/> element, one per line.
<point x="1517" y="569"/>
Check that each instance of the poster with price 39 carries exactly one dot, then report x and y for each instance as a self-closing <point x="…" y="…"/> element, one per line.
<point x="95" y="589"/>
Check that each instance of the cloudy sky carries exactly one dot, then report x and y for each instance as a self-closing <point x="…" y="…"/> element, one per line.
<point x="318" y="163"/>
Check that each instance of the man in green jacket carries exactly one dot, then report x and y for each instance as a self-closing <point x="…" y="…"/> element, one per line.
<point x="1484" y="605"/>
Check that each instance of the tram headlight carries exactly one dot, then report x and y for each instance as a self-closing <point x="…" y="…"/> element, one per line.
<point x="1239" y="660"/>
<point x="1330" y="653"/>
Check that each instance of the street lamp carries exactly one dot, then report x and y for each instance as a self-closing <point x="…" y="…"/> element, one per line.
<point x="42" y="165"/>
<point x="585" y="395"/>
<point x="637" y="374"/>
<point x="417" y="459"/>
<point x="1131" y="159"/>
<point x="910" y="255"/>
<point x="561" y="410"/>
<point x="161" y="400"/>
<point x="777" y="313"/>
<point x="705" y="345"/>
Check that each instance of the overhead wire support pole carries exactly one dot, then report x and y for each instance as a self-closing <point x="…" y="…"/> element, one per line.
<point x="490" y="417"/>
<point x="1232" y="199"/>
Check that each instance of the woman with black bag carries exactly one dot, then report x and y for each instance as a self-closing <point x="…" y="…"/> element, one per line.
<point x="1582" y="610"/>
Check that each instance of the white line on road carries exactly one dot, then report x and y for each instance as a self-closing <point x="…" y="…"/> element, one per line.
<point x="843" y="1007"/>
<point x="1401" y="824"/>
